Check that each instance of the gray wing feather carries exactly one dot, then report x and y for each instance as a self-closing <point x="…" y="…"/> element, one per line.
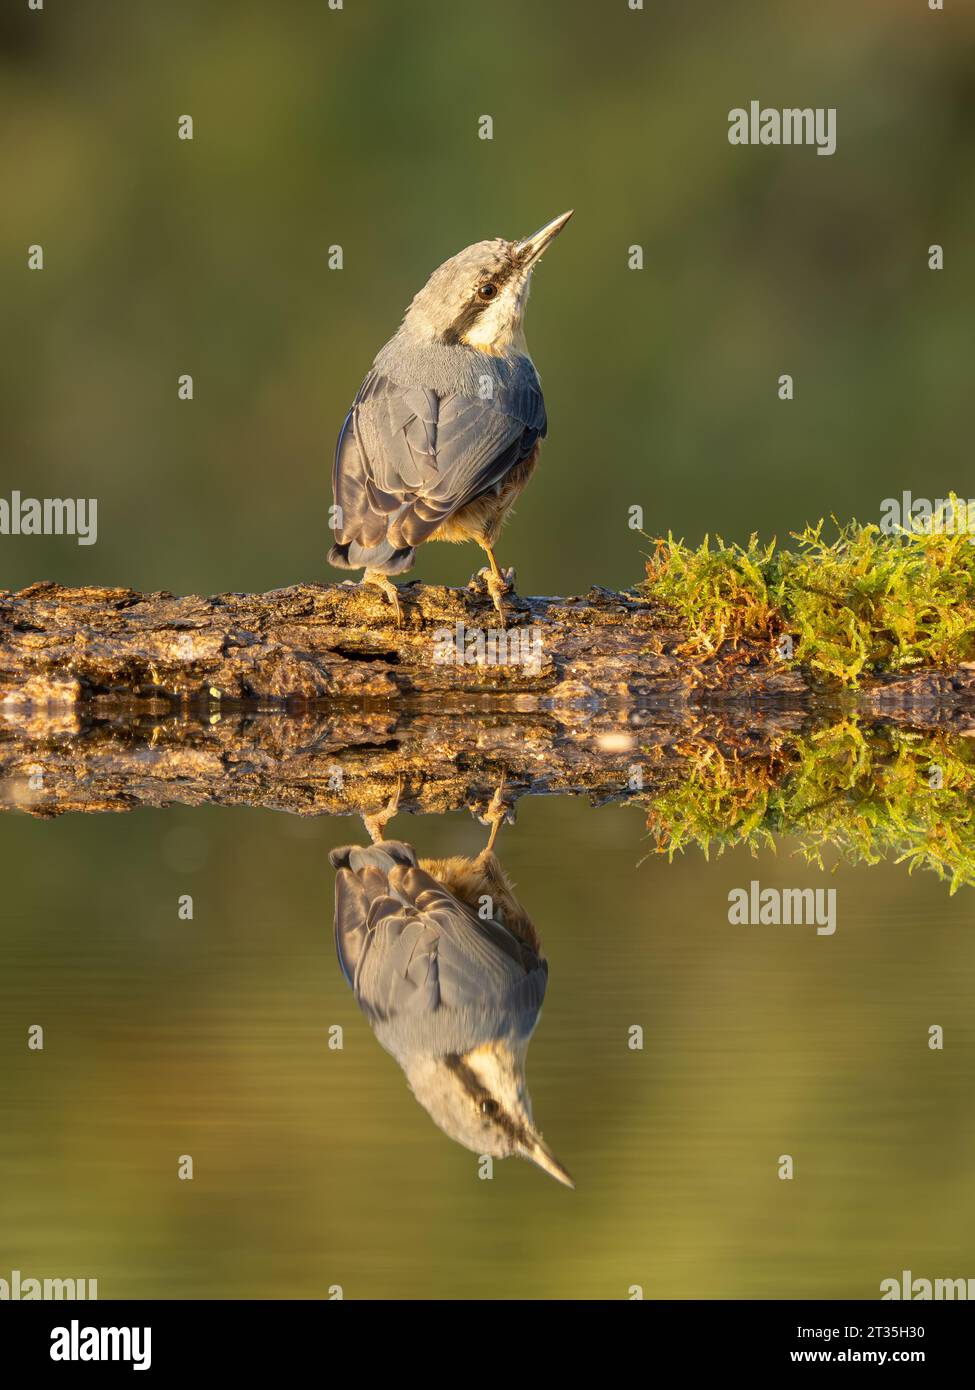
<point x="409" y="457"/>
<point x="407" y="945"/>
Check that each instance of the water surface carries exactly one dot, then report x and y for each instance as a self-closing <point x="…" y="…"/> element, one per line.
<point x="316" y="1168"/>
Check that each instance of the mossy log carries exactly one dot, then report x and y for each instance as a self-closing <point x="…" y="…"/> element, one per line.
<point x="340" y="643"/>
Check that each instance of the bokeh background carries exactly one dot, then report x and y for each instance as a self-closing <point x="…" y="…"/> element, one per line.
<point x="359" y="127"/>
<point x="162" y="257"/>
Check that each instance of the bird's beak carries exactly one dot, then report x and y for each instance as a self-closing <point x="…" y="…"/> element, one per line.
<point x="539" y="1152"/>
<point x="529" y="250"/>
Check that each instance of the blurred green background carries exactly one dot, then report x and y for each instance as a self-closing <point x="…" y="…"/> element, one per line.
<point x="316" y="1167"/>
<point x="359" y="127"/>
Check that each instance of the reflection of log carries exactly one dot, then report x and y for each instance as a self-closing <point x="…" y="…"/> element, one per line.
<point x="351" y="761"/>
<point x="340" y="643"/>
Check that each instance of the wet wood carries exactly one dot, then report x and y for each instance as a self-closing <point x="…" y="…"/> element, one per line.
<point x="338" y="643"/>
<point x="350" y="762"/>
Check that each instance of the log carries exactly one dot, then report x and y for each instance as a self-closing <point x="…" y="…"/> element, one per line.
<point x="339" y="643"/>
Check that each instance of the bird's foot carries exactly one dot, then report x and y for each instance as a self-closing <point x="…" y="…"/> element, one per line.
<point x="383" y="582"/>
<point x="498" y="584"/>
<point x="376" y="823"/>
<point x="499" y="812"/>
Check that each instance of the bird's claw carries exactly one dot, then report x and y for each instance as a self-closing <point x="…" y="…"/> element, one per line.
<point x="498" y="812"/>
<point x="485" y="579"/>
<point x="386" y="585"/>
<point x="497" y="589"/>
<point x="376" y="823"/>
<point x="497" y="585"/>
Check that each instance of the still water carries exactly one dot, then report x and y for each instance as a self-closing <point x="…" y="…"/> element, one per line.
<point x="678" y="1059"/>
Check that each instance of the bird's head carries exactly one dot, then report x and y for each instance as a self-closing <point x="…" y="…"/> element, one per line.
<point x="479" y="296"/>
<point x="480" y="1099"/>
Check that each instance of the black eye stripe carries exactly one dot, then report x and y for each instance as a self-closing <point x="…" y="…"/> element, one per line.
<point x="475" y="306"/>
<point x="465" y="1074"/>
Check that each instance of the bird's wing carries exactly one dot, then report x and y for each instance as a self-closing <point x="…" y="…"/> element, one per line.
<point x="406" y="945"/>
<point x="408" y="457"/>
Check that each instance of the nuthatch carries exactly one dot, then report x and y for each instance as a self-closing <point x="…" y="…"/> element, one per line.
<point x="444" y="432"/>
<point x="452" y="991"/>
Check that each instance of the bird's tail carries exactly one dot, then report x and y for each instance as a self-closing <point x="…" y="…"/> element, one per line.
<point x="382" y="557"/>
<point x="384" y="855"/>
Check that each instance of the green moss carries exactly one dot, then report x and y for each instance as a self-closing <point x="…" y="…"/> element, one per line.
<point x="863" y="603"/>
<point x="860" y="793"/>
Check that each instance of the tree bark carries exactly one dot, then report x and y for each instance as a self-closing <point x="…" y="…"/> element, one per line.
<point x="338" y="643"/>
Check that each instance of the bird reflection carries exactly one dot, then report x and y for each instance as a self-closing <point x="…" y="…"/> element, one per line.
<point x="448" y="968"/>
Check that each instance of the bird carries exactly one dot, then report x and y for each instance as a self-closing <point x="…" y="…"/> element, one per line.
<point x="448" y="969"/>
<point x="444" y="432"/>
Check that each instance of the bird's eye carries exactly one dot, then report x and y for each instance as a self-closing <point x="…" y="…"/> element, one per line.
<point x="489" y="1107"/>
<point x="487" y="291"/>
